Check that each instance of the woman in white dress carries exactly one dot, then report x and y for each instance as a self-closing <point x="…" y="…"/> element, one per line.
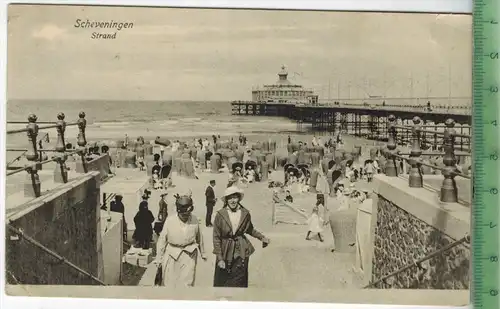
<point x="178" y="246"/>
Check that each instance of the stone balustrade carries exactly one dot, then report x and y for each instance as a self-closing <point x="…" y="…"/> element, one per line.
<point x="409" y="221"/>
<point x="36" y="156"/>
<point x="406" y="225"/>
<point x="447" y="165"/>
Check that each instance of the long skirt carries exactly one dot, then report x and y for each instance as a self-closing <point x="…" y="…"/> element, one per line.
<point x="235" y="277"/>
<point x="180" y="272"/>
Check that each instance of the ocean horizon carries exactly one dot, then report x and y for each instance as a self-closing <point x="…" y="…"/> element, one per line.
<point x="108" y="119"/>
<point x="115" y="110"/>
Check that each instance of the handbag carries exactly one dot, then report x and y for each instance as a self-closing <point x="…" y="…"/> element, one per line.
<point x="159" y="276"/>
<point x="158" y="227"/>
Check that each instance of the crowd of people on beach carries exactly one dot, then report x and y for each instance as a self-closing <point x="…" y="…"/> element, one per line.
<point x="180" y="244"/>
<point x="177" y="238"/>
<point x="238" y="177"/>
<point x="179" y="241"/>
<point x="347" y="190"/>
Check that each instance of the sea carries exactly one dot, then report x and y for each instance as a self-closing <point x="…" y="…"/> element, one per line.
<point x="113" y="119"/>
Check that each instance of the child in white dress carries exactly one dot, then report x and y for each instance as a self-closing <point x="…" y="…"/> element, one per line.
<point x="315" y="223"/>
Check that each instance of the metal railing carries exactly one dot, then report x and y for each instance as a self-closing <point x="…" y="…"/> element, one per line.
<point x="34" y="155"/>
<point x="60" y="258"/>
<point x="281" y="204"/>
<point x="458" y="110"/>
<point x="412" y="105"/>
<point x="449" y="191"/>
<point x="465" y="139"/>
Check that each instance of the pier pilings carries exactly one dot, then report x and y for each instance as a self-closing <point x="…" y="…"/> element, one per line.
<point x="365" y="121"/>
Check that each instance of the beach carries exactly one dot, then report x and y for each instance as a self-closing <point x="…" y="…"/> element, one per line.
<point x="184" y="121"/>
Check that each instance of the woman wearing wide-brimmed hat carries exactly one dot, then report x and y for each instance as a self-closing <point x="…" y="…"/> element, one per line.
<point x="231" y="247"/>
<point x="178" y="246"/>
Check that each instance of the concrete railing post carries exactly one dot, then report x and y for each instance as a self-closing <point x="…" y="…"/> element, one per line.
<point x="390" y="165"/>
<point x="32" y="185"/>
<point x="449" y="193"/>
<point x="82" y="124"/>
<point x="415" y="176"/>
<point x="61" y="171"/>
<point x="82" y="140"/>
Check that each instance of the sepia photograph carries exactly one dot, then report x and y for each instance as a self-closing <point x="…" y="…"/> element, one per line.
<point x="238" y="154"/>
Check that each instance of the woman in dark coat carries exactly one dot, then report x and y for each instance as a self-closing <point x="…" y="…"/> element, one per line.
<point x="231" y="246"/>
<point x="117" y="206"/>
<point x="143" y="234"/>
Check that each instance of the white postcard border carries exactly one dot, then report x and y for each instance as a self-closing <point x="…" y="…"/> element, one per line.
<point x="431" y="6"/>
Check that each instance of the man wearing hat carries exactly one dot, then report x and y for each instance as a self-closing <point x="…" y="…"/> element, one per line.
<point x="179" y="244"/>
<point x="211" y="200"/>
<point x="163" y="207"/>
<point x="162" y="213"/>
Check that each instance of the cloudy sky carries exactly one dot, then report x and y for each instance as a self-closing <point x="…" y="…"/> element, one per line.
<point x="195" y="54"/>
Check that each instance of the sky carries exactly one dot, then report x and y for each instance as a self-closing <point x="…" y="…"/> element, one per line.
<point x="214" y="54"/>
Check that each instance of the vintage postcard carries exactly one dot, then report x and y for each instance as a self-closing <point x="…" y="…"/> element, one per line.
<point x="255" y="155"/>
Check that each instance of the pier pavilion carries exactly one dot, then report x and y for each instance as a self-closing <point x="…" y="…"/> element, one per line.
<point x="283" y="91"/>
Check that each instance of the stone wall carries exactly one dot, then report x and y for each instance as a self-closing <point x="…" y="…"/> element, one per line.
<point x="401" y="238"/>
<point x="410" y="224"/>
<point x="65" y="220"/>
<point x="112" y="246"/>
<point x="100" y="164"/>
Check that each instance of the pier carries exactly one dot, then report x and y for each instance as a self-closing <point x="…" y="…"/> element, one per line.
<point x="359" y="115"/>
<point x="366" y="118"/>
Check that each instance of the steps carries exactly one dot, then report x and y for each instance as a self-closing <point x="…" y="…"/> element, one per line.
<point x="289" y="261"/>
